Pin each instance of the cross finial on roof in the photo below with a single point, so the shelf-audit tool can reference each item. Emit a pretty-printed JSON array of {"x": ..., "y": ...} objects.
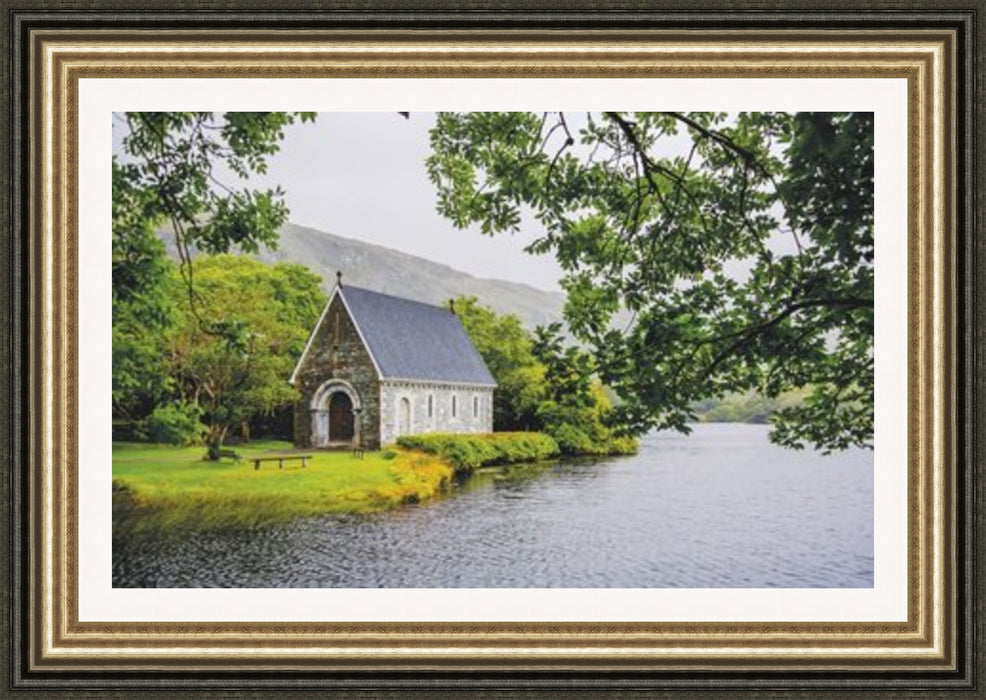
[{"x": 339, "y": 278}]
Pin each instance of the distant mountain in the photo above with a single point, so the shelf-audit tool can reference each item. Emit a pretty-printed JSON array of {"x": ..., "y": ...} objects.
[{"x": 392, "y": 272}]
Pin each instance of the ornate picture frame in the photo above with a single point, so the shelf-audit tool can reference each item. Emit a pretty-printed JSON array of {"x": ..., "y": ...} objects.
[{"x": 937, "y": 53}]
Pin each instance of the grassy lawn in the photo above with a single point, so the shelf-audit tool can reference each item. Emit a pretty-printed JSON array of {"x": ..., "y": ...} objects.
[{"x": 158, "y": 486}]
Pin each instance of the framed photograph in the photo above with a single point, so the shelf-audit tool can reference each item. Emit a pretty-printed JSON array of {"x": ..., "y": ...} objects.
[{"x": 584, "y": 349}]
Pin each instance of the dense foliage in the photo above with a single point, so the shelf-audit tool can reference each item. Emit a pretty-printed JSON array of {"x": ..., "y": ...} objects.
[
  {"x": 748, "y": 407},
  {"x": 187, "y": 174},
  {"x": 206, "y": 383},
  {"x": 576, "y": 409},
  {"x": 175, "y": 423},
  {"x": 703, "y": 253},
  {"x": 543, "y": 384},
  {"x": 508, "y": 351},
  {"x": 172, "y": 174},
  {"x": 267, "y": 313},
  {"x": 470, "y": 451}
]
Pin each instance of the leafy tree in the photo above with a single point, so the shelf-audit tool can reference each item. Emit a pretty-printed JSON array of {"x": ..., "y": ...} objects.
[
  {"x": 172, "y": 175},
  {"x": 140, "y": 378},
  {"x": 175, "y": 423},
  {"x": 749, "y": 407},
  {"x": 542, "y": 385},
  {"x": 507, "y": 350},
  {"x": 267, "y": 313},
  {"x": 569, "y": 371},
  {"x": 743, "y": 260},
  {"x": 576, "y": 410},
  {"x": 142, "y": 305}
]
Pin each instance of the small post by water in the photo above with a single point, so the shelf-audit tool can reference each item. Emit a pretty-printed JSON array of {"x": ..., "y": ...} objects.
[{"x": 451, "y": 306}]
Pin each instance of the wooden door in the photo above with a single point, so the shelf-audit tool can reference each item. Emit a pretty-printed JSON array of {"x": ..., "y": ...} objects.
[{"x": 340, "y": 418}]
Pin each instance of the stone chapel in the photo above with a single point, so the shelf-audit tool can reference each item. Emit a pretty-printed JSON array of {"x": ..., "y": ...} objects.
[{"x": 378, "y": 366}]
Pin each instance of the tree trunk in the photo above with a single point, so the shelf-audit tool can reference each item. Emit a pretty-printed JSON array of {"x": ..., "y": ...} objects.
[{"x": 214, "y": 441}]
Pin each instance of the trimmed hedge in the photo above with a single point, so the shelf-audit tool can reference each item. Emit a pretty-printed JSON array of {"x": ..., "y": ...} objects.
[{"x": 470, "y": 451}]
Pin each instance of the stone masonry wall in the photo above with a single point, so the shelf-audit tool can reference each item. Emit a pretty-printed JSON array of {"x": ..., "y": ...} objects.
[
  {"x": 337, "y": 352},
  {"x": 441, "y": 419}
]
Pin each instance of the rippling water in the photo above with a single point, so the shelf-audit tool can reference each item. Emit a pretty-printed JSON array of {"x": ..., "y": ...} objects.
[{"x": 719, "y": 508}]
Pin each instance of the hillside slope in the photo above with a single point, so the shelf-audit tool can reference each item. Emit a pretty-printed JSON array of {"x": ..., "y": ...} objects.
[{"x": 392, "y": 272}]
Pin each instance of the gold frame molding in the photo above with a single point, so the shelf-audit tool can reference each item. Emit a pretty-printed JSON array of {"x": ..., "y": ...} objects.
[{"x": 926, "y": 642}]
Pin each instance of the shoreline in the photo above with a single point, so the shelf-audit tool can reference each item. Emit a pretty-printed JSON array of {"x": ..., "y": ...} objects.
[
  {"x": 165, "y": 488},
  {"x": 212, "y": 495}
]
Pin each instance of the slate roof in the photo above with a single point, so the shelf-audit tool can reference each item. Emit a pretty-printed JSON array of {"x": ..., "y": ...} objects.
[{"x": 411, "y": 340}]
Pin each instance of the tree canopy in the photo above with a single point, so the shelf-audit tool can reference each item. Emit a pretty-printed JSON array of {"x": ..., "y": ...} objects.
[
  {"x": 186, "y": 350},
  {"x": 236, "y": 376},
  {"x": 542, "y": 384},
  {"x": 189, "y": 171},
  {"x": 507, "y": 350},
  {"x": 703, "y": 253}
]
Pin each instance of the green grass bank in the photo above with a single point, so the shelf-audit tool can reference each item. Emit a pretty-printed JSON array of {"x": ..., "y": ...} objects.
[{"x": 161, "y": 487}]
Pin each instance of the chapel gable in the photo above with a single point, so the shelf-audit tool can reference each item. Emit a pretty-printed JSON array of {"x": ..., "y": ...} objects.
[{"x": 379, "y": 366}]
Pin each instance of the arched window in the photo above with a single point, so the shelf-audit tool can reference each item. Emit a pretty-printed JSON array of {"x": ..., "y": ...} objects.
[
  {"x": 475, "y": 406},
  {"x": 453, "y": 406},
  {"x": 431, "y": 406},
  {"x": 404, "y": 416}
]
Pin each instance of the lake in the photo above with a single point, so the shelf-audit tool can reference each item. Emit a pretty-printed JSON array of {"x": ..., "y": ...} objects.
[{"x": 719, "y": 508}]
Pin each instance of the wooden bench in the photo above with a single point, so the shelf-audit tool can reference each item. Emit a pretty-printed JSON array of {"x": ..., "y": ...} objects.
[{"x": 281, "y": 459}]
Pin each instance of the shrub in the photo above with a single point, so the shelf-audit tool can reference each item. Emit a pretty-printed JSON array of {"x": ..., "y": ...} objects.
[
  {"x": 467, "y": 452},
  {"x": 624, "y": 445},
  {"x": 585, "y": 429},
  {"x": 175, "y": 424},
  {"x": 590, "y": 438},
  {"x": 573, "y": 441}
]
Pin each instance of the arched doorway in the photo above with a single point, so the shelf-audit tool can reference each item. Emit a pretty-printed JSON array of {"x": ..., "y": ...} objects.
[
  {"x": 335, "y": 410},
  {"x": 404, "y": 416},
  {"x": 341, "y": 423}
]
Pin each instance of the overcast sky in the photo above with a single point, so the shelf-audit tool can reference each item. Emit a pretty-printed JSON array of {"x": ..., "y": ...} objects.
[{"x": 362, "y": 176}]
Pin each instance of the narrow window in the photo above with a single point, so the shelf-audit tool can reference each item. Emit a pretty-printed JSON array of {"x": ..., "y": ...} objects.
[
  {"x": 475, "y": 407},
  {"x": 431, "y": 406},
  {"x": 404, "y": 416},
  {"x": 453, "y": 405}
]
